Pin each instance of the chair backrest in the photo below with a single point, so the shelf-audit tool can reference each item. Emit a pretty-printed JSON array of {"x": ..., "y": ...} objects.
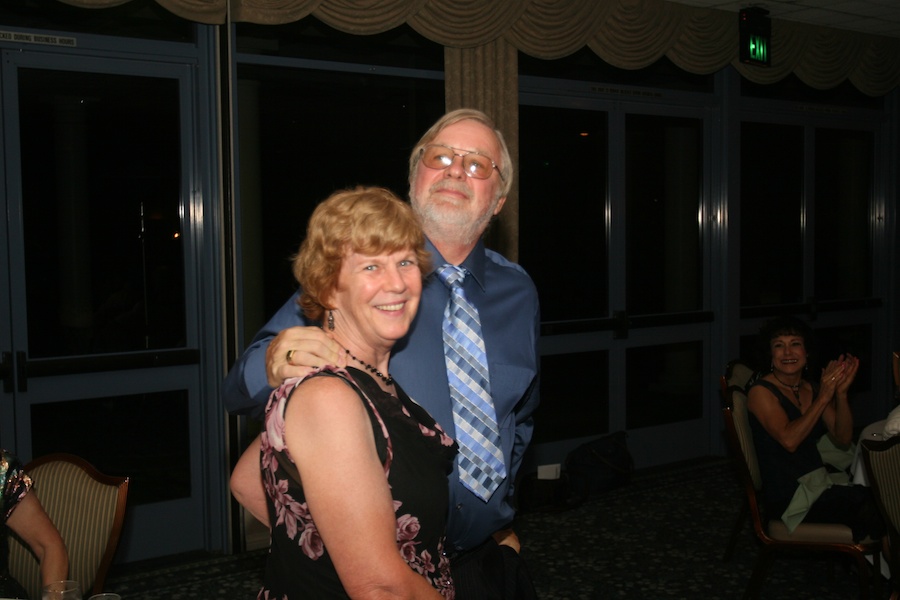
[
  {"x": 739, "y": 373},
  {"x": 882, "y": 460},
  {"x": 736, "y": 405},
  {"x": 88, "y": 509},
  {"x": 895, "y": 369},
  {"x": 740, "y": 442}
]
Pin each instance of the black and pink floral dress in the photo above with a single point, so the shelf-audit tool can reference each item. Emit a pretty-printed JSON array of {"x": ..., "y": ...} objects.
[
  {"x": 14, "y": 484},
  {"x": 416, "y": 455}
]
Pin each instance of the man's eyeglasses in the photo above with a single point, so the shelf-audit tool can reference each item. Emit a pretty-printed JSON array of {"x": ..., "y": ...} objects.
[{"x": 475, "y": 164}]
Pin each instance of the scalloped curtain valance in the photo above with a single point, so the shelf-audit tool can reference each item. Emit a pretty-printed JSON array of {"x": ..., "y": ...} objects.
[{"x": 628, "y": 34}]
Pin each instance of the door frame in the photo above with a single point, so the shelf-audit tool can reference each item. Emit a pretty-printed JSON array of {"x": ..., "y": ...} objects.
[{"x": 198, "y": 368}]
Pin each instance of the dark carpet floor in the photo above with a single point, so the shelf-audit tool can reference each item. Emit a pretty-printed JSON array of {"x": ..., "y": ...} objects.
[{"x": 661, "y": 536}]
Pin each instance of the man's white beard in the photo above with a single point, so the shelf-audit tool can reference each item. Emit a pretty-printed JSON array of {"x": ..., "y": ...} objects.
[{"x": 451, "y": 225}]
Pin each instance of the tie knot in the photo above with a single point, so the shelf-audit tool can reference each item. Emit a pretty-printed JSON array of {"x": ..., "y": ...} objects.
[{"x": 451, "y": 275}]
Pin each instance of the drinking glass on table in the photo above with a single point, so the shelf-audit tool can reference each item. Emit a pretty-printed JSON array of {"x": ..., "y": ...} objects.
[
  {"x": 105, "y": 596},
  {"x": 62, "y": 590}
]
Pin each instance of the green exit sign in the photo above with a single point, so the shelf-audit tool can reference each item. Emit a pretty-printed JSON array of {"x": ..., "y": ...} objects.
[
  {"x": 755, "y": 36},
  {"x": 757, "y": 49}
]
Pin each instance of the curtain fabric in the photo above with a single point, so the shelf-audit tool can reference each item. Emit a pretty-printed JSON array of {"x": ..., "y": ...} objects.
[
  {"x": 629, "y": 34},
  {"x": 482, "y": 42},
  {"x": 485, "y": 77}
]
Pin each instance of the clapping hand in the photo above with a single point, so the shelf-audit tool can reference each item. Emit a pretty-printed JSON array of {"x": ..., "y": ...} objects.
[
  {"x": 851, "y": 368},
  {"x": 839, "y": 374}
]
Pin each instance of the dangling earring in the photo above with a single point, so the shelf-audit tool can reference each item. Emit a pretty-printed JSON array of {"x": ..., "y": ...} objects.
[{"x": 331, "y": 320}]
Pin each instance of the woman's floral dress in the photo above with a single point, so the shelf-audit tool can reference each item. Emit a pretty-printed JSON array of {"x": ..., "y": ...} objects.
[
  {"x": 416, "y": 455},
  {"x": 14, "y": 484}
]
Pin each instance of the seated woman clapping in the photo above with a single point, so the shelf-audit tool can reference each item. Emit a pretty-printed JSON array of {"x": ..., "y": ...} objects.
[{"x": 795, "y": 423}]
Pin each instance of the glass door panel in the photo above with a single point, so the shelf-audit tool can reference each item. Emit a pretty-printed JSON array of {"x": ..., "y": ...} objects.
[
  {"x": 663, "y": 183},
  {"x": 100, "y": 180},
  {"x": 665, "y": 384},
  {"x": 610, "y": 232},
  {"x": 104, "y": 361},
  {"x": 771, "y": 214},
  {"x": 563, "y": 182},
  {"x": 844, "y": 174}
]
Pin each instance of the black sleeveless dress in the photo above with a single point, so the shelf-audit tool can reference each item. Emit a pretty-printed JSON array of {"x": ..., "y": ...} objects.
[
  {"x": 14, "y": 484},
  {"x": 851, "y": 505},
  {"x": 416, "y": 455}
]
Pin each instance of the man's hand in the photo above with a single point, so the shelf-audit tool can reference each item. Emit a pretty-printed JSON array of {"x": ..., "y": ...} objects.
[
  {"x": 295, "y": 351},
  {"x": 507, "y": 537}
]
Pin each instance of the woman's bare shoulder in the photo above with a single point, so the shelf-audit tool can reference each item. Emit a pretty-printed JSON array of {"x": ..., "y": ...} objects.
[{"x": 324, "y": 398}]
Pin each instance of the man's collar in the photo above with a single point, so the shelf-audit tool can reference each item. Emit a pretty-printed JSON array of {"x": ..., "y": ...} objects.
[{"x": 474, "y": 262}]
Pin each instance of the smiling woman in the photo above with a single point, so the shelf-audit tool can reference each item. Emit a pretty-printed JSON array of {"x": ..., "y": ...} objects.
[
  {"x": 362, "y": 263},
  {"x": 361, "y": 226},
  {"x": 803, "y": 430},
  {"x": 353, "y": 468}
]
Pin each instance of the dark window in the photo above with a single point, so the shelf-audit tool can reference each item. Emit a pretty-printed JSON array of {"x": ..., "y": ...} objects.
[
  {"x": 572, "y": 407},
  {"x": 318, "y": 132},
  {"x": 843, "y": 190},
  {"x": 663, "y": 264},
  {"x": 664, "y": 384},
  {"x": 143, "y": 436},
  {"x": 562, "y": 224},
  {"x": 102, "y": 213},
  {"x": 771, "y": 214},
  {"x": 831, "y": 342}
]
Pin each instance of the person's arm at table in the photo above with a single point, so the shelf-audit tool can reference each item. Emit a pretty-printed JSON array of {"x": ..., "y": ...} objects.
[{"x": 30, "y": 522}]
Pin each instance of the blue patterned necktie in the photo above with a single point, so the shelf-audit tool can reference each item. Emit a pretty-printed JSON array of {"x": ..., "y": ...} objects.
[{"x": 481, "y": 467}]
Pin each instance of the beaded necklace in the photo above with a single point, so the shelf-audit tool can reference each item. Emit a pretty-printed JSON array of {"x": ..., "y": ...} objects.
[{"x": 388, "y": 380}]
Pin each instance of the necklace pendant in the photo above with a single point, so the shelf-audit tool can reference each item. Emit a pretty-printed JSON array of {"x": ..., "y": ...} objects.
[{"x": 794, "y": 388}]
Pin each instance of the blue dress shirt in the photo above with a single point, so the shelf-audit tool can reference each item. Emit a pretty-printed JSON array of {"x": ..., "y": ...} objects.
[{"x": 507, "y": 303}]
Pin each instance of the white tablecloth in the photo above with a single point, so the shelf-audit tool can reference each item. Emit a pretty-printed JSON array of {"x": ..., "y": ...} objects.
[{"x": 871, "y": 432}]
